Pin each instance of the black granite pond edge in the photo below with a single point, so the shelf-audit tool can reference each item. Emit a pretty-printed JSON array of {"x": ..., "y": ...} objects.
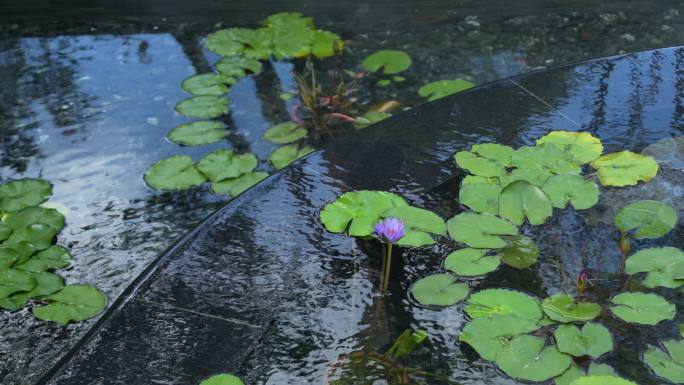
[{"x": 513, "y": 110}]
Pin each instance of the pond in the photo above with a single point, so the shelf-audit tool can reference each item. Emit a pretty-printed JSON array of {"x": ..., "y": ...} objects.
[{"x": 88, "y": 98}]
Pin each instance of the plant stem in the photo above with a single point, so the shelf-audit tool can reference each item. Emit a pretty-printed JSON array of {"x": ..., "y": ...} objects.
[
  {"x": 388, "y": 268},
  {"x": 384, "y": 266},
  {"x": 625, "y": 247}
]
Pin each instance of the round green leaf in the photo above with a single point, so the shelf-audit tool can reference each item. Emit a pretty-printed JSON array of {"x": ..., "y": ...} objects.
[
  {"x": 546, "y": 156},
  {"x": 601, "y": 380},
  {"x": 15, "y": 254},
  {"x": 15, "y": 281},
  {"x": 596, "y": 369},
  {"x": 36, "y": 214},
  {"x": 471, "y": 262},
  {"x": 521, "y": 252},
  {"x": 198, "y": 133},
  {"x": 489, "y": 335},
  {"x": 72, "y": 303},
  {"x": 325, "y": 44},
  {"x": 520, "y": 200},
  {"x": 18, "y": 194},
  {"x": 5, "y": 231},
  {"x": 497, "y": 302},
  {"x": 283, "y": 133},
  {"x": 237, "y": 66},
  {"x": 480, "y": 197},
  {"x": 46, "y": 284},
  {"x": 439, "y": 289},
  {"x": 369, "y": 118},
  {"x": 174, "y": 173},
  {"x": 641, "y": 308},
  {"x": 390, "y": 61},
  {"x": 37, "y": 234},
  {"x": 207, "y": 84},
  {"x": 8, "y": 257},
  {"x": 625, "y": 168},
  {"x": 480, "y": 231},
  {"x": 222, "y": 379},
  {"x": 667, "y": 363},
  {"x": 287, "y": 154},
  {"x": 476, "y": 179},
  {"x": 226, "y": 42},
  {"x": 527, "y": 358},
  {"x": 583, "y": 146},
  {"x": 53, "y": 258},
  {"x": 572, "y": 188},
  {"x": 650, "y": 219},
  {"x": 417, "y": 223},
  {"x": 571, "y": 374},
  {"x": 442, "y": 88},
  {"x": 661, "y": 264},
  {"x": 237, "y": 186},
  {"x": 535, "y": 175},
  {"x": 487, "y": 159},
  {"x": 225, "y": 164},
  {"x": 562, "y": 307},
  {"x": 594, "y": 340},
  {"x": 203, "y": 107},
  {"x": 358, "y": 211}
]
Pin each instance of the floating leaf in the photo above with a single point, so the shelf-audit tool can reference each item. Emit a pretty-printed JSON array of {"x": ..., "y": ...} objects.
[
  {"x": 480, "y": 197},
  {"x": 18, "y": 194},
  {"x": 203, "y": 107},
  {"x": 471, "y": 262},
  {"x": 237, "y": 186},
  {"x": 535, "y": 175},
  {"x": 369, "y": 118},
  {"x": 546, "y": 156},
  {"x": 562, "y": 307},
  {"x": 418, "y": 223},
  {"x": 489, "y": 335},
  {"x": 476, "y": 179},
  {"x": 596, "y": 369},
  {"x": 36, "y": 214},
  {"x": 641, "y": 308},
  {"x": 571, "y": 374},
  {"x": 488, "y": 159},
  {"x": 198, "y": 133},
  {"x": 594, "y": 340},
  {"x": 520, "y": 200},
  {"x": 226, "y": 42},
  {"x": 283, "y": 133},
  {"x": 625, "y": 168},
  {"x": 390, "y": 61},
  {"x": 15, "y": 281},
  {"x": 174, "y": 173},
  {"x": 15, "y": 254},
  {"x": 650, "y": 219},
  {"x": 581, "y": 193},
  {"x": 223, "y": 379},
  {"x": 521, "y": 252},
  {"x": 660, "y": 263},
  {"x": 325, "y": 44},
  {"x": 237, "y": 66},
  {"x": 46, "y": 284},
  {"x": 37, "y": 234},
  {"x": 207, "y": 84},
  {"x": 527, "y": 358},
  {"x": 601, "y": 380},
  {"x": 667, "y": 363},
  {"x": 358, "y": 211},
  {"x": 440, "y": 290},
  {"x": 287, "y": 154},
  {"x": 53, "y": 258},
  {"x": 5, "y": 231},
  {"x": 442, "y": 88},
  {"x": 583, "y": 146},
  {"x": 72, "y": 303},
  {"x": 498, "y": 302},
  {"x": 225, "y": 164},
  {"x": 480, "y": 230}
]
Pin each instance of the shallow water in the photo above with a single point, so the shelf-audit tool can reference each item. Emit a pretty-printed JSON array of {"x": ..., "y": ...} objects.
[{"x": 87, "y": 105}]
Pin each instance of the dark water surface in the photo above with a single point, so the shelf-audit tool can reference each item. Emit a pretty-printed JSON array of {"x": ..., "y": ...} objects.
[{"x": 87, "y": 94}]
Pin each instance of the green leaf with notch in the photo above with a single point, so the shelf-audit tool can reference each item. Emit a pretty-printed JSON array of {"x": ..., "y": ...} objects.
[
  {"x": 357, "y": 212},
  {"x": 520, "y": 200},
  {"x": 625, "y": 168},
  {"x": 562, "y": 307},
  {"x": 583, "y": 146},
  {"x": 482, "y": 231},
  {"x": 198, "y": 133},
  {"x": 650, "y": 219},
  {"x": 593, "y": 340},
  {"x": 21, "y": 193},
  {"x": 390, "y": 61},
  {"x": 642, "y": 308},
  {"x": 284, "y": 133},
  {"x": 471, "y": 262},
  {"x": 439, "y": 290},
  {"x": 173, "y": 174},
  {"x": 571, "y": 188},
  {"x": 203, "y": 107}
]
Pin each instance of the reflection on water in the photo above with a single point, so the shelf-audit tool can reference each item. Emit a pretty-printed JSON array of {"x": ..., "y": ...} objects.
[{"x": 88, "y": 109}]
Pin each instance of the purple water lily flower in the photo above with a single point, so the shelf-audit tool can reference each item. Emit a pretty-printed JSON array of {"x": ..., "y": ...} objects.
[{"x": 390, "y": 230}]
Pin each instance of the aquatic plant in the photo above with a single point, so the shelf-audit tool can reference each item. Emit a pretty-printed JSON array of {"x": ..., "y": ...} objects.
[
  {"x": 441, "y": 88},
  {"x": 387, "y": 62},
  {"x": 223, "y": 379},
  {"x": 389, "y": 231}
]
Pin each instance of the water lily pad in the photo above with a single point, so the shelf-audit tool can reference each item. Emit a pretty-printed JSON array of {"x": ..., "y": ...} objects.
[
  {"x": 53, "y": 258},
  {"x": 562, "y": 307},
  {"x": 602, "y": 380},
  {"x": 325, "y": 44},
  {"x": 546, "y": 156},
  {"x": 527, "y": 358},
  {"x": 15, "y": 254},
  {"x": 225, "y": 164},
  {"x": 535, "y": 175},
  {"x": 419, "y": 223},
  {"x": 237, "y": 186},
  {"x": 284, "y": 133},
  {"x": 18, "y": 194},
  {"x": 38, "y": 234},
  {"x": 520, "y": 200},
  {"x": 440, "y": 290},
  {"x": 471, "y": 262},
  {"x": 581, "y": 193},
  {"x": 222, "y": 379},
  {"x": 489, "y": 335},
  {"x": 198, "y": 133},
  {"x": 583, "y": 146},
  {"x": 574, "y": 372},
  {"x": 226, "y": 42},
  {"x": 660, "y": 263},
  {"x": 625, "y": 168},
  {"x": 287, "y": 154},
  {"x": 649, "y": 219},
  {"x": 480, "y": 197},
  {"x": 203, "y": 107},
  {"x": 498, "y": 302},
  {"x": 390, "y": 61},
  {"x": 487, "y": 159},
  {"x": 36, "y": 214},
  {"x": 207, "y": 84},
  {"x": 46, "y": 284},
  {"x": 667, "y": 363},
  {"x": 642, "y": 308},
  {"x": 15, "y": 281},
  {"x": 476, "y": 179},
  {"x": 369, "y": 118},
  {"x": 442, "y": 88},
  {"x": 174, "y": 173},
  {"x": 237, "y": 67},
  {"x": 593, "y": 340},
  {"x": 358, "y": 211},
  {"x": 521, "y": 252},
  {"x": 482, "y": 231},
  {"x": 5, "y": 231},
  {"x": 72, "y": 303}
]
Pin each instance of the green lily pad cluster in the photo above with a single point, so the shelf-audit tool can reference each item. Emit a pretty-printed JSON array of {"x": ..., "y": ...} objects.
[
  {"x": 29, "y": 258},
  {"x": 229, "y": 173},
  {"x": 387, "y": 62}
]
